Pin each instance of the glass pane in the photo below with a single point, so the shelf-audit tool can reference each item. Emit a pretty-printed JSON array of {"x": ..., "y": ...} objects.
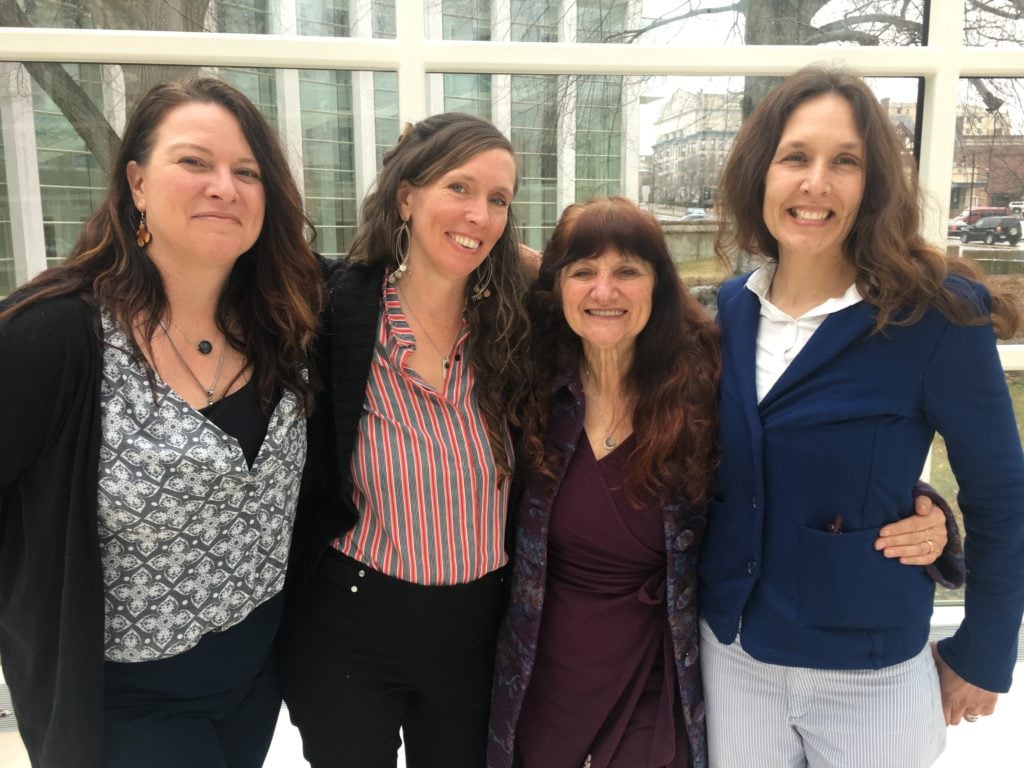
[
  {"x": 599, "y": 136},
  {"x": 994, "y": 24},
  {"x": 6, "y": 247},
  {"x": 66, "y": 150},
  {"x": 534, "y": 136},
  {"x": 833, "y": 23},
  {"x": 331, "y": 18},
  {"x": 534, "y": 21},
  {"x": 464, "y": 19},
  {"x": 385, "y": 89},
  {"x": 688, "y": 124},
  {"x": 987, "y": 194},
  {"x": 468, "y": 93},
  {"x": 696, "y": 23}
]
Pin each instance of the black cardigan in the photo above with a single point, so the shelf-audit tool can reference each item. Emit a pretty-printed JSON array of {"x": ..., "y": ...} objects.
[
  {"x": 343, "y": 355},
  {"x": 51, "y": 590}
]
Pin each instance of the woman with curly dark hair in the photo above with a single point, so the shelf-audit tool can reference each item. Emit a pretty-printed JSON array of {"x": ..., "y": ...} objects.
[
  {"x": 598, "y": 658},
  {"x": 844, "y": 354},
  {"x": 153, "y": 393},
  {"x": 621, "y": 451},
  {"x": 399, "y": 565}
]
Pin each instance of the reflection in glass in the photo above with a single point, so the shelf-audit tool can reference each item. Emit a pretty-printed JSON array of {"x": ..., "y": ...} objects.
[
  {"x": 64, "y": 128},
  {"x": 994, "y": 24},
  {"x": 988, "y": 158},
  {"x": 330, "y": 18},
  {"x": 694, "y": 23}
]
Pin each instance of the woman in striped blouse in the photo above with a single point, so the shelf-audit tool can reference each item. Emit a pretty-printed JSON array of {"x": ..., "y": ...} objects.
[{"x": 399, "y": 560}]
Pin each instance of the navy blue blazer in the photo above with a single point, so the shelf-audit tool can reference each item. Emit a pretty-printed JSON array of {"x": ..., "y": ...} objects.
[{"x": 846, "y": 430}]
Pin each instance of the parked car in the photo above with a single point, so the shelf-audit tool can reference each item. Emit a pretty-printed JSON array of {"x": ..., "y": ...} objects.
[
  {"x": 696, "y": 217},
  {"x": 978, "y": 212},
  {"x": 955, "y": 225},
  {"x": 1016, "y": 207},
  {"x": 993, "y": 229}
]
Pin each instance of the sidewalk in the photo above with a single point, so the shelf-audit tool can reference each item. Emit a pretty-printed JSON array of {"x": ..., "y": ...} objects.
[{"x": 992, "y": 742}]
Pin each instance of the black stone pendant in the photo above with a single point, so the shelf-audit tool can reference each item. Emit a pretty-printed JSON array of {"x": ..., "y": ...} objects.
[{"x": 204, "y": 347}]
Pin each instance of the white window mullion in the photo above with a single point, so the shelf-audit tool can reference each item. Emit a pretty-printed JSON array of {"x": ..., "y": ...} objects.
[{"x": 938, "y": 122}]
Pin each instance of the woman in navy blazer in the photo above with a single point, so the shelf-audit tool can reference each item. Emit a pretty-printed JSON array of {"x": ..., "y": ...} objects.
[{"x": 842, "y": 357}]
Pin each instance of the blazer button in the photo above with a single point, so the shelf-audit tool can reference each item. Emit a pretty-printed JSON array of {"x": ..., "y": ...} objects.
[
  {"x": 753, "y": 501},
  {"x": 751, "y": 567}
]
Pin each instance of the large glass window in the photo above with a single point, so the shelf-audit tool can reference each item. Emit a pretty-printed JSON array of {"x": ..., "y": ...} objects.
[{"x": 72, "y": 116}]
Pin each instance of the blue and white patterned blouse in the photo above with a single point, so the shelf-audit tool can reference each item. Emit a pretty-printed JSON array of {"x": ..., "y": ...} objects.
[{"x": 192, "y": 540}]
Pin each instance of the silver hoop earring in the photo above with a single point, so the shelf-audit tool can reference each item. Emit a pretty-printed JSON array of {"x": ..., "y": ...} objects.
[
  {"x": 402, "y": 237},
  {"x": 485, "y": 273}
]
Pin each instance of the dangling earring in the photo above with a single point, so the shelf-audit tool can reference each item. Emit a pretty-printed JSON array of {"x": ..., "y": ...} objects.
[
  {"x": 142, "y": 233},
  {"x": 401, "y": 254},
  {"x": 485, "y": 273}
]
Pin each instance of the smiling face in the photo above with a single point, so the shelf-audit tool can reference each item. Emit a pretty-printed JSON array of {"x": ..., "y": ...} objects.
[
  {"x": 200, "y": 189},
  {"x": 815, "y": 182},
  {"x": 606, "y": 299},
  {"x": 455, "y": 220}
]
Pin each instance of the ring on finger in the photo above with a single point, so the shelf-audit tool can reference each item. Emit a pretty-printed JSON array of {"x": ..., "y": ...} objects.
[
  {"x": 931, "y": 548},
  {"x": 971, "y": 718}
]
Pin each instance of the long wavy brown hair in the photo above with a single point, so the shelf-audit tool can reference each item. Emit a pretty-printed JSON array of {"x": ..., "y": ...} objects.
[
  {"x": 499, "y": 326},
  {"x": 269, "y": 306},
  {"x": 676, "y": 365},
  {"x": 898, "y": 271}
]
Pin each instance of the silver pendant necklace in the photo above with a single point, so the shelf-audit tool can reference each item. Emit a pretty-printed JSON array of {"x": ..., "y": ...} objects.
[
  {"x": 445, "y": 356},
  {"x": 209, "y": 392}
]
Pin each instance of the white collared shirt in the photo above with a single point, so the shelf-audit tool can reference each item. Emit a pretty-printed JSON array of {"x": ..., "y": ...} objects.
[{"x": 781, "y": 337}]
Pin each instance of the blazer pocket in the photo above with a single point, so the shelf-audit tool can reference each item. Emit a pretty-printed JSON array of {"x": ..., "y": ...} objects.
[{"x": 846, "y": 584}]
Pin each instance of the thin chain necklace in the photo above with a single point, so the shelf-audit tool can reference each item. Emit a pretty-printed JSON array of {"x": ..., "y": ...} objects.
[
  {"x": 445, "y": 364},
  {"x": 609, "y": 442},
  {"x": 216, "y": 376}
]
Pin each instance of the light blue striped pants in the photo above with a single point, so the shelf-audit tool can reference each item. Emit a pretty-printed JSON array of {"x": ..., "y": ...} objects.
[{"x": 769, "y": 716}]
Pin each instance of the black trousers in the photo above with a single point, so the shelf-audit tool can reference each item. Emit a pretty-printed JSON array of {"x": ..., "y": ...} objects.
[
  {"x": 363, "y": 654},
  {"x": 214, "y": 706}
]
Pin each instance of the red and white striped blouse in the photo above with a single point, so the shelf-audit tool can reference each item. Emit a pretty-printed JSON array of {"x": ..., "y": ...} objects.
[{"x": 426, "y": 485}]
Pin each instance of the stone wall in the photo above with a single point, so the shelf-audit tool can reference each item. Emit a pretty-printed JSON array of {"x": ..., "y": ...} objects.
[{"x": 690, "y": 240}]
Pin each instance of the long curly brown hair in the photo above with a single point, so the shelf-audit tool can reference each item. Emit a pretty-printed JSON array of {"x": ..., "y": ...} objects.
[
  {"x": 676, "y": 365},
  {"x": 269, "y": 306},
  {"x": 898, "y": 271},
  {"x": 499, "y": 326}
]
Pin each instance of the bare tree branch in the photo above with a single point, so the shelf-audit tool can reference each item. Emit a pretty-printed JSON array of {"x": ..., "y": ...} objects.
[
  {"x": 84, "y": 116},
  {"x": 1014, "y": 12},
  {"x": 631, "y": 35}
]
